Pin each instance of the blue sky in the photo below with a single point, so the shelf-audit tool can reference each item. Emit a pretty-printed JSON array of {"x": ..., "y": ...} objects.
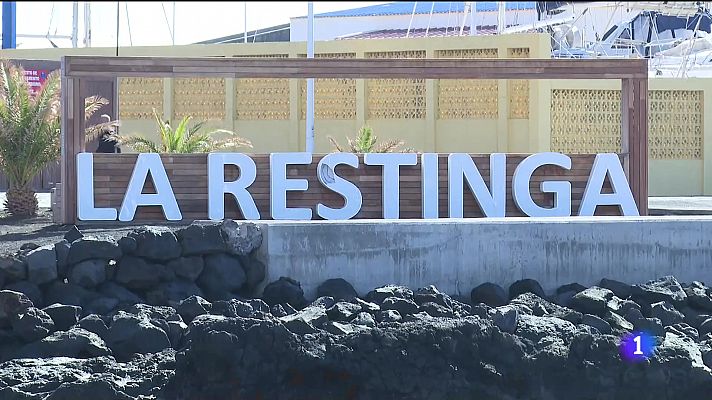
[{"x": 195, "y": 21}]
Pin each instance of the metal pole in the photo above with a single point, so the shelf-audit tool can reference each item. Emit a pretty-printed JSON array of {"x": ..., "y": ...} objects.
[
  {"x": 501, "y": 12},
  {"x": 244, "y": 38},
  {"x": 9, "y": 25},
  {"x": 87, "y": 24},
  {"x": 310, "y": 82},
  {"x": 118, "y": 20},
  {"x": 174, "y": 24},
  {"x": 128, "y": 22},
  {"x": 473, "y": 11},
  {"x": 75, "y": 24}
]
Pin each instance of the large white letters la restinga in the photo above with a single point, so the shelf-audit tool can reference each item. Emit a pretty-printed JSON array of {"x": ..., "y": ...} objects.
[{"x": 461, "y": 169}]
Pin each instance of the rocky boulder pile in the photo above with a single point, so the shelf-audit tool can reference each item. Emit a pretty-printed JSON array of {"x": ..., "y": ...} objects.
[
  {"x": 395, "y": 342},
  {"x": 392, "y": 342},
  {"x": 149, "y": 265}
]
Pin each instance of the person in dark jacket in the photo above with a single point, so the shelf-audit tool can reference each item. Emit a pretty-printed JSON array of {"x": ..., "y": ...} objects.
[{"x": 108, "y": 143}]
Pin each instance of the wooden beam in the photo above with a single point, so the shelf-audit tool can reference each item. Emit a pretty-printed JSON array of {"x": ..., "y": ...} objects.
[{"x": 85, "y": 66}]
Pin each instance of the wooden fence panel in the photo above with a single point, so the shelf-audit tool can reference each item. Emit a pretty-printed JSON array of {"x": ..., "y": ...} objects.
[{"x": 43, "y": 182}]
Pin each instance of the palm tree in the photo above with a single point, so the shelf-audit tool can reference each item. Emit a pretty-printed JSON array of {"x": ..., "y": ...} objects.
[
  {"x": 365, "y": 142},
  {"x": 30, "y": 132},
  {"x": 184, "y": 139}
]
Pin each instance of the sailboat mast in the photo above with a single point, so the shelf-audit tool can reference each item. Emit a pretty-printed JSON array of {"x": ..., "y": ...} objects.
[
  {"x": 173, "y": 38},
  {"x": 87, "y": 24},
  {"x": 473, "y": 11},
  {"x": 501, "y": 23},
  {"x": 75, "y": 24}
]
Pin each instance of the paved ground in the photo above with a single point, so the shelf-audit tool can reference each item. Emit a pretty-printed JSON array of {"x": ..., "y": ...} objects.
[
  {"x": 41, "y": 230},
  {"x": 14, "y": 232}
]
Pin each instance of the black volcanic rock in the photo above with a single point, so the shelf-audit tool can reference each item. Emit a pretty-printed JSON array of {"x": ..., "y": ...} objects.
[
  {"x": 337, "y": 288},
  {"x": 64, "y": 316},
  {"x": 592, "y": 300},
  {"x": 73, "y": 234},
  {"x": 87, "y": 248},
  {"x": 489, "y": 293},
  {"x": 664, "y": 289},
  {"x": 526, "y": 286},
  {"x": 222, "y": 275},
  {"x": 284, "y": 290},
  {"x": 153, "y": 243}
]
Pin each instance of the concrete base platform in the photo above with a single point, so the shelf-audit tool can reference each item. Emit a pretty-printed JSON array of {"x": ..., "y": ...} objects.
[{"x": 458, "y": 254}]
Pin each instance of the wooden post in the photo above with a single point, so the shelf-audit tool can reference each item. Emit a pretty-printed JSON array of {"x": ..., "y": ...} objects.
[
  {"x": 641, "y": 108},
  {"x": 72, "y": 139},
  {"x": 634, "y": 139},
  {"x": 626, "y": 116}
]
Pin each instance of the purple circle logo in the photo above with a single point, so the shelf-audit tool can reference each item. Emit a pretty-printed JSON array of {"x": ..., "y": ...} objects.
[{"x": 637, "y": 346}]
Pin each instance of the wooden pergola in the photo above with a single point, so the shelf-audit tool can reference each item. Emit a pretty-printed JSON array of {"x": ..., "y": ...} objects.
[{"x": 79, "y": 71}]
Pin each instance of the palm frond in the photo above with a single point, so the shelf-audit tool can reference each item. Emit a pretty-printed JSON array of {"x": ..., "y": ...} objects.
[
  {"x": 389, "y": 146},
  {"x": 230, "y": 141},
  {"x": 180, "y": 136},
  {"x": 138, "y": 143},
  {"x": 335, "y": 144},
  {"x": 366, "y": 142},
  {"x": 94, "y": 131},
  {"x": 354, "y": 145},
  {"x": 93, "y": 104},
  {"x": 185, "y": 138}
]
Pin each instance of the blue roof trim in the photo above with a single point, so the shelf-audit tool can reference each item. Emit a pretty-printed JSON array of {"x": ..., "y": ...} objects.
[{"x": 423, "y": 7}]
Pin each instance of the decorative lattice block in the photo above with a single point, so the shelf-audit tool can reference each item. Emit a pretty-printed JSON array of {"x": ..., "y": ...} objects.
[
  {"x": 262, "y": 98},
  {"x": 675, "y": 124},
  {"x": 396, "y": 98},
  {"x": 589, "y": 121},
  {"x": 518, "y": 89},
  {"x": 333, "y": 98},
  {"x": 467, "y": 98},
  {"x": 585, "y": 121},
  {"x": 139, "y": 96},
  {"x": 200, "y": 98}
]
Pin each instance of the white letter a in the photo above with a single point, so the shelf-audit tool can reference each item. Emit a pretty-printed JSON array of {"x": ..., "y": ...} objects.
[{"x": 164, "y": 197}]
